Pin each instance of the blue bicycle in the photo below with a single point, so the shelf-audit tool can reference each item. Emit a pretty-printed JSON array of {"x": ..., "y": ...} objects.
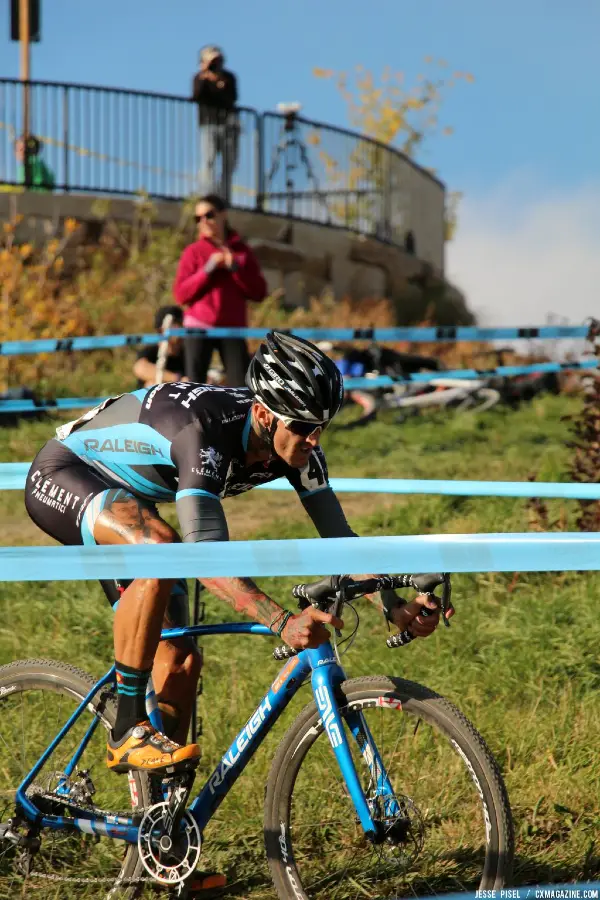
[{"x": 351, "y": 809}]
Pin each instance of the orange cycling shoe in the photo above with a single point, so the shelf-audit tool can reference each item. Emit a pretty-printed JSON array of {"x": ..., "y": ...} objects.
[{"x": 146, "y": 749}]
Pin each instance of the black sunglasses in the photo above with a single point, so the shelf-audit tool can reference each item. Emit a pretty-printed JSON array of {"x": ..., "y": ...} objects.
[
  {"x": 211, "y": 214},
  {"x": 305, "y": 429}
]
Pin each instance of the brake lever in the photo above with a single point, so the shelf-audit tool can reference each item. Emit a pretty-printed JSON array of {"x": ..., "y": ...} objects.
[
  {"x": 335, "y": 607},
  {"x": 402, "y": 638},
  {"x": 445, "y": 602},
  {"x": 443, "y": 605},
  {"x": 338, "y": 604}
]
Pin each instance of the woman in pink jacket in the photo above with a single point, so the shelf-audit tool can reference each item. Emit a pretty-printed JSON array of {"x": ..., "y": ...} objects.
[{"x": 216, "y": 276}]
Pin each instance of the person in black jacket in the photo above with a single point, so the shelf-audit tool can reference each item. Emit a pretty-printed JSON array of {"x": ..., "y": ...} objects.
[
  {"x": 146, "y": 368},
  {"x": 215, "y": 92}
]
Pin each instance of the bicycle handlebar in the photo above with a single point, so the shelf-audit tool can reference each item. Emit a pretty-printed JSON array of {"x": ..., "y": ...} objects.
[{"x": 332, "y": 592}]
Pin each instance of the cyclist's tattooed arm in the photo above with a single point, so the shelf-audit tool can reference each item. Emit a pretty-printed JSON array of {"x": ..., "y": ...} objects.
[{"x": 245, "y": 597}]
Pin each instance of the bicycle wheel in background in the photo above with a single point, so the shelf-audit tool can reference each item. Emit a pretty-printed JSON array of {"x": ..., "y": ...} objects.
[
  {"x": 454, "y": 829},
  {"x": 37, "y": 696},
  {"x": 478, "y": 401},
  {"x": 362, "y": 403}
]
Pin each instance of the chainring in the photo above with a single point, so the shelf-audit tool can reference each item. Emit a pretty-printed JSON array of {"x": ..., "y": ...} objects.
[{"x": 168, "y": 860}]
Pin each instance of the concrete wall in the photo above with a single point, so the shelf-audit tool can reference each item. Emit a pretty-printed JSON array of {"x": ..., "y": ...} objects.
[{"x": 301, "y": 258}]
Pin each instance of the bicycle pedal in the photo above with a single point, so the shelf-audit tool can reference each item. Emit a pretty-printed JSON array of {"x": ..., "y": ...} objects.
[
  {"x": 184, "y": 768},
  {"x": 186, "y": 777}
]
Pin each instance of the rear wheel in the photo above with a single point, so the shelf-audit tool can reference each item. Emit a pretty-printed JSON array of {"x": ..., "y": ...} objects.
[
  {"x": 37, "y": 697},
  {"x": 451, "y": 827}
]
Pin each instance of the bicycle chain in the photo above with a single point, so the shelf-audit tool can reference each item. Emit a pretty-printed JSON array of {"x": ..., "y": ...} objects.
[
  {"x": 64, "y": 801},
  {"x": 72, "y": 879}
]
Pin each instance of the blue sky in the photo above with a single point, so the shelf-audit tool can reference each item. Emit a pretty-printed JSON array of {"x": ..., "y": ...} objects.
[
  {"x": 526, "y": 132},
  {"x": 536, "y": 65}
]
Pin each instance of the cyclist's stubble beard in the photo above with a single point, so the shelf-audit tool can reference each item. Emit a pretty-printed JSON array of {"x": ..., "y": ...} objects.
[
  {"x": 282, "y": 443},
  {"x": 292, "y": 448}
]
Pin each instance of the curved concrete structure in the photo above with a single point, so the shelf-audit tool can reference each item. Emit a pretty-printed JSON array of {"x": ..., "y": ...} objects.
[{"x": 301, "y": 259}]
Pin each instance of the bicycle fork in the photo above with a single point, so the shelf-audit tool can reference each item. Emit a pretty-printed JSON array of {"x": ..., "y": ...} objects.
[{"x": 327, "y": 675}]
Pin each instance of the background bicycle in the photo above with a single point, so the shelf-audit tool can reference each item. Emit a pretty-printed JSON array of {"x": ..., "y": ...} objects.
[{"x": 408, "y": 397}]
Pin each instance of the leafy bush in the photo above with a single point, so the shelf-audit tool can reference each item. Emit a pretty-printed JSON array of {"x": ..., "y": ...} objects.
[{"x": 111, "y": 280}]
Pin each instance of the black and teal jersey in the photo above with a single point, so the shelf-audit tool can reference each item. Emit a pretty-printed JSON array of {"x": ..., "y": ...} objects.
[{"x": 178, "y": 441}]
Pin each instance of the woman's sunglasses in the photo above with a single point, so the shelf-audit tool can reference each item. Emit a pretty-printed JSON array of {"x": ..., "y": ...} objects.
[
  {"x": 304, "y": 429},
  {"x": 209, "y": 216}
]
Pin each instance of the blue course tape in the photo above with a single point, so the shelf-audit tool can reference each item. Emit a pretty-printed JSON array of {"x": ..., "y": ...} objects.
[
  {"x": 443, "y": 334},
  {"x": 13, "y": 475},
  {"x": 51, "y": 345},
  {"x": 448, "y": 488},
  {"x": 12, "y": 478},
  {"x": 555, "y": 552},
  {"x": 18, "y": 406},
  {"x": 498, "y": 372}
]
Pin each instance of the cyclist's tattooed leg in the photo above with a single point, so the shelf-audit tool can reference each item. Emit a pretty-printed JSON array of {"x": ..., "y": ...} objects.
[
  {"x": 175, "y": 675},
  {"x": 245, "y": 597},
  {"x": 128, "y": 517},
  {"x": 141, "y": 609}
]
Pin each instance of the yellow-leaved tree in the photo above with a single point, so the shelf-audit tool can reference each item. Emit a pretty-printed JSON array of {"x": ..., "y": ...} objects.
[{"x": 393, "y": 114}]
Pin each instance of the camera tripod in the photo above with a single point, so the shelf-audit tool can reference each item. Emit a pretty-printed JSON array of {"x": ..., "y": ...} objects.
[{"x": 294, "y": 153}]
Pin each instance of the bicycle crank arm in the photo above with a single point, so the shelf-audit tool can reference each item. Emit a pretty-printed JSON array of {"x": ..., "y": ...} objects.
[{"x": 179, "y": 787}]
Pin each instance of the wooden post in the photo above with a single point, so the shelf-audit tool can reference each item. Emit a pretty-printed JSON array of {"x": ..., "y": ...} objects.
[{"x": 24, "y": 39}]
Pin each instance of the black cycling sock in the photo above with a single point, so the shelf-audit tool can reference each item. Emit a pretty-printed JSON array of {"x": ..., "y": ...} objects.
[{"x": 131, "y": 695}]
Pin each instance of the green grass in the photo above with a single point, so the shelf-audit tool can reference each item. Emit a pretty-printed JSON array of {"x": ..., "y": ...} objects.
[{"x": 521, "y": 658}]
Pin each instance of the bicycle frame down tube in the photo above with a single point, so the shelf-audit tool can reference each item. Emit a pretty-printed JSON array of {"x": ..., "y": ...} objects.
[
  {"x": 326, "y": 676},
  {"x": 236, "y": 758}
]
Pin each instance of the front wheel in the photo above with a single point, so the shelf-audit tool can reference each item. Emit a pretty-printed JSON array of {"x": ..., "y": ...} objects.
[{"x": 452, "y": 830}]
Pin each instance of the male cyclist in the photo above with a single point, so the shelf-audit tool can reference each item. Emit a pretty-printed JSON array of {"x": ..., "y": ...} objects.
[{"x": 98, "y": 481}]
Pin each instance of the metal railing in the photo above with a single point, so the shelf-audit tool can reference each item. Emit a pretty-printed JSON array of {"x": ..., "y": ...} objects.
[{"x": 119, "y": 142}]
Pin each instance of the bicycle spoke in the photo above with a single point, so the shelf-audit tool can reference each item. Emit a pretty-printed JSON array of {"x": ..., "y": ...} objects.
[
  {"x": 431, "y": 838},
  {"x": 23, "y": 757},
  {"x": 39, "y": 714}
]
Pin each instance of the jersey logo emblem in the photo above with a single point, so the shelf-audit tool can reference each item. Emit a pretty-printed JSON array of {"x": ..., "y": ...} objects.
[{"x": 211, "y": 457}]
